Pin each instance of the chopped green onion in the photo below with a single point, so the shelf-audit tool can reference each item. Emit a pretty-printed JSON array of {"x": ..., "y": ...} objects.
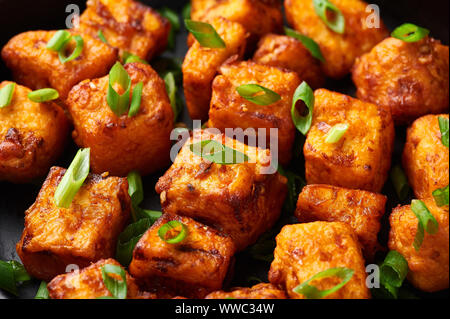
[
  {"x": 76, "y": 52},
  {"x": 426, "y": 222},
  {"x": 186, "y": 12},
  {"x": 128, "y": 57},
  {"x": 6, "y": 94},
  {"x": 171, "y": 88},
  {"x": 101, "y": 36},
  {"x": 394, "y": 269},
  {"x": 117, "y": 288},
  {"x": 73, "y": 179},
  {"x": 303, "y": 93},
  {"x": 43, "y": 95},
  {"x": 170, "y": 227},
  {"x": 205, "y": 34},
  {"x": 129, "y": 238},
  {"x": 252, "y": 93},
  {"x": 136, "y": 99},
  {"x": 441, "y": 196},
  {"x": 118, "y": 103},
  {"x": 322, "y": 7},
  {"x": 175, "y": 25},
  {"x": 312, "y": 292},
  {"x": 336, "y": 133},
  {"x": 444, "y": 128},
  {"x": 11, "y": 274},
  {"x": 42, "y": 292},
  {"x": 309, "y": 43},
  {"x": 218, "y": 153},
  {"x": 153, "y": 215},
  {"x": 295, "y": 185},
  {"x": 409, "y": 32},
  {"x": 135, "y": 188},
  {"x": 400, "y": 182},
  {"x": 59, "y": 40}
]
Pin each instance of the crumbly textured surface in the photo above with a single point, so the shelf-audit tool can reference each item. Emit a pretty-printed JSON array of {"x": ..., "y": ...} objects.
[
  {"x": 36, "y": 67},
  {"x": 339, "y": 50},
  {"x": 409, "y": 78},
  {"x": 428, "y": 267},
  {"x": 425, "y": 158},
  {"x": 127, "y": 25},
  {"x": 362, "y": 157},
  {"x": 362, "y": 210},
  {"x": 304, "y": 250},
  {"x": 122, "y": 144},
  {"x": 198, "y": 7},
  {"x": 201, "y": 64},
  {"x": 259, "y": 291},
  {"x": 230, "y": 110},
  {"x": 85, "y": 232},
  {"x": 241, "y": 200},
  {"x": 32, "y": 136}
]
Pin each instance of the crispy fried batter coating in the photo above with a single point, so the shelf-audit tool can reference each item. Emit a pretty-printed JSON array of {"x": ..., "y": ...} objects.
[
  {"x": 362, "y": 157},
  {"x": 304, "y": 250},
  {"x": 259, "y": 291},
  {"x": 32, "y": 136},
  {"x": 122, "y": 144},
  {"x": 199, "y": 7},
  {"x": 85, "y": 232},
  {"x": 410, "y": 78},
  {"x": 428, "y": 267}
]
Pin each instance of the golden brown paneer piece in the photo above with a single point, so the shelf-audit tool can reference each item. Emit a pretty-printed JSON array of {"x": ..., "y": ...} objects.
[
  {"x": 259, "y": 291},
  {"x": 230, "y": 110},
  {"x": 127, "y": 25},
  {"x": 85, "y": 232},
  {"x": 428, "y": 267},
  {"x": 192, "y": 267},
  {"x": 362, "y": 157},
  {"x": 304, "y": 250},
  {"x": 88, "y": 283},
  {"x": 286, "y": 52},
  {"x": 411, "y": 78},
  {"x": 425, "y": 158},
  {"x": 32, "y": 136},
  {"x": 37, "y": 67},
  {"x": 122, "y": 144},
  {"x": 339, "y": 50},
  {"x": 201, "y": 64},
  {"x": 199, "y": 7},
  {"x": 242, "y": 200},
  {"x": 362, "y": 210}
]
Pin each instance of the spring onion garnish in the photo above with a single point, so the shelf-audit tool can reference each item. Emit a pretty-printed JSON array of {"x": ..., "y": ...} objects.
[
  {"x": 175, "y": 25},
  {"x": 129, "y": 238},
  {"x": 43, "y": 95},
  {"x": 312, "y": 292},
  {"x": 336, "y": 133},
  {"x": 409, "y": 32},
  {"x": 295, "y": 185},
  {"x": 136, "y": 99},
  {"x": 309, "y": 43},
  {"x": 444, "y": 128},
  {"x": 101, "y": 36},
  {"x": 118, "y": 103},
  {"x": 303, "y": 93},
  {"x": 6, "y": 94},
  {"x": 186, "y": 12},
  {"x": 258, "y": 94},
  {"x": 426, "y": 222},
  {"x": 76, "y": 52},
  {"x": 323, "y": 9},
  {"x": 171, "y": 88},
  {"x": 135, "y": 188},
  {"x": 128, "y": 57},
  {"x": 117, "y": 287},
  {"x": 11, "y": 274},
  {"x": 394, "y": 269},
  {"x": 205, "y": 34},
  {"x": 42, "y": 292},
  {"x": 400, "y": 182},
  {"x": 153, "y": 215},
  {"x": 173, "y": 232},
  {"x": 59, "y": 40},
  {"x": 73, "y": 179},
  {"x": 441, "y": 196},
  {"x": 218, "y": 153}
]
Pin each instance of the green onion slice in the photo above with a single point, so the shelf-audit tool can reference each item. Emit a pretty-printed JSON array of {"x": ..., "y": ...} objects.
[
  {"x": 117, "y": 287},
  {"x": 59, "y": 40},
  {"x": 136, "y": 99},
  {"x": 11, "y": 274},
  {"x": 218, "y": 153},
  {"x": 336, "y": 133},
  {"x": 303, "y": 93},
  {"x": 186, "y": 12},
  {"x": 118, "y": 103},
  {"x": 42, "y": 292},
  {"x": 394, "y": 269},
  {"x": 73, "y": 179},
  {"x": 128, "y": 57},
  {"x": 135, "y": 188},
  {"x": 441, "y": 196},
  {"x": 101, "y": 36},
  {"x": 6, "y": 94},
  {"x": 258, "y": 94},
  {"x": 175, "y": 25},
  {"x": 295, "y": 186},
  {"x": 322, "y": 8},
  {"x": 153, "y": 215},
  {"x": 400, "y": 182},
  {"x": 205, "y": 34},
  {"x": 312, "y": 292},
  {"x": 76, "y": 52},
  {"x": 166, "y": 232},
  {"x": 43, "y": 95},
  {"x": 129, "y": 238},
  {"x": 309, "y": 43},
  {"x": 426, "y": 222},
  {"x": 409, "y": 32},
  {"x": 171, "y": 88},
  {"x": 444, "y": 128}
]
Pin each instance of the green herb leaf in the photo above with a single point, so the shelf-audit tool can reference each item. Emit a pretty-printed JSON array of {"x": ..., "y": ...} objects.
[
  {"x": 444, "y": 128},
  {"x": 42, "y": 292},
  {"x": 426, "y": 222},
  {"x": 308, "y": 43},
  {"x": 303, "y": 93},
  {"x": 186, "y": 12},
  {"x": 409, "y": 32},
  {"x": 129, "y": 238},
  {"x": 135, "y": 188},
  {"x": 136, "y": 99},
  {"x": 153, "y": 215},
  {"x": 171, "y": 88},
  {"x": 101, "y": 36},
  {"x": 118, "y": 103},
  {"x": 11, "y": 274},
  {"x": 173, "y": 226},
  {"x": 117, "y": 288},
  {"x": 336, "y": 133},
  {"x": 252, "y": 93},
  {"x": 205, "y": 34},
  {"x": 172, "y": 16},
  {"x": 59, "y": 40},
  {"x": 218, "y": 153},
  {"x": 6, "y": 94},
  {"x": 43, "y": 95},
  {"x": 76, "y": 52},
  {"x": 441, "y": 196},
  {"x": 322, "y": 7},
  {"x": 400, "y": 182},
  {"x": 394, "y": 269},
  {"x": 128, "y": 57}
]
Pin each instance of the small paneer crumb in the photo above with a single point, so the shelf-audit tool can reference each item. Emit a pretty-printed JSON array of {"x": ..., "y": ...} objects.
[
  {"x": 361, "y": 210},
  {"x": 304, "y": 250},
  {"x": 428, "y": 267},
  {"x": 32, "y": 136},
  {"x": 362, "y": 157},
  {"x": 192, "y": 268},
  {"x": 85, "y": 232},
  {"x": 259, "y": 291}
]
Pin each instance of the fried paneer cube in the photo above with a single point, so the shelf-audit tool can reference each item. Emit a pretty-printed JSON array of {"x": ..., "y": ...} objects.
[
  {"x": 339, "y": 50},
  {"x": 201, "y": 64},
  {"x": 242, "y": 200},
  {"x": 199, "y": 7},
  {"x": 85, "y": 232},
  {"x": 32, "y": 136},
  {"x": 362, "y": 210},
  {"x": 362, "y": 157},
  {"x": 127, "y": 25},
  {"x": 37, "y": 67},
  {"x": 230, "y": 110},
  {"x": 192, "y": 268},
  {"x": 411, "y": 78},
  {"x": 304, "y": 250},
  {"x": 428, "y": 266},
  {"x": 259, "y": 291},
  {"x": 88, "y": 283},
  {"x": 425, "y": 158},
  {"x": 289, "y": 53},
  {"x": 122, "y": 144}
]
